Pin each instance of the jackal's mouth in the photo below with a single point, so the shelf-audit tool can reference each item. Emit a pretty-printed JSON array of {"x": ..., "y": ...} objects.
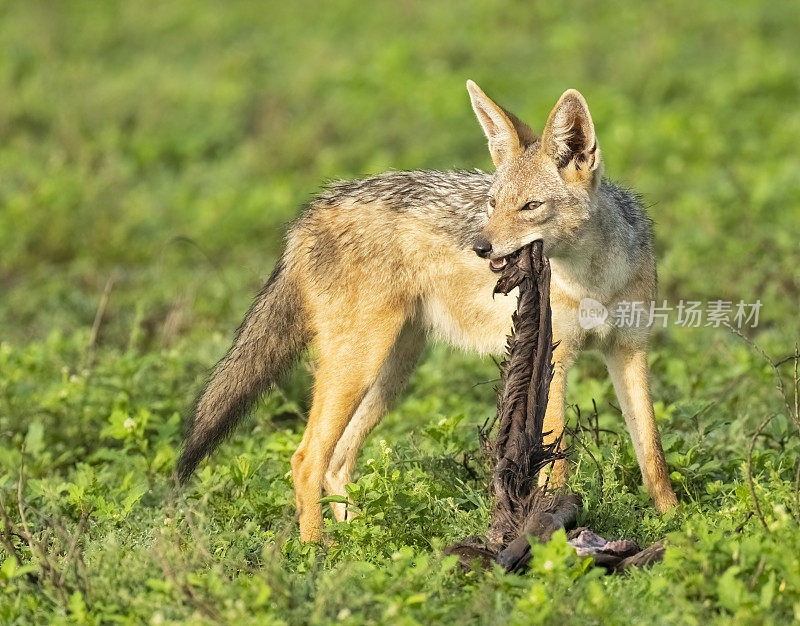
[
  {"x": 498, "y": 265},
  {"x": 513, "y": 267}
]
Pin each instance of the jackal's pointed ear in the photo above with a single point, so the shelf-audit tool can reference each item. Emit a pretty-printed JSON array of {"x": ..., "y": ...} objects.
[
  {"x": 507, "y": 135},
  {"x": 569, "y": 138}
]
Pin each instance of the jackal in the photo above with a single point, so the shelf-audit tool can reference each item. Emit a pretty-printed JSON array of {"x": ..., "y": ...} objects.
[{"x": 376, "y": 266}]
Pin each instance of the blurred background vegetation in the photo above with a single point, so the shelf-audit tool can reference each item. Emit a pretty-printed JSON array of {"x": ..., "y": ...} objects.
[
  {"x": 157, "y": 150},
  {"x": 174, "y": 140}
]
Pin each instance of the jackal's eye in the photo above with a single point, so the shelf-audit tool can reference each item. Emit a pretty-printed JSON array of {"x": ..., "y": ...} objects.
[
  {"x": 530, "y": 206},
  {"x": 492, "y": 202}
]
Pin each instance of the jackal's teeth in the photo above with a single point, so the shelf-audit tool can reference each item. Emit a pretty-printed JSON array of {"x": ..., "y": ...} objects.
[{"x": 497, "y": 265}]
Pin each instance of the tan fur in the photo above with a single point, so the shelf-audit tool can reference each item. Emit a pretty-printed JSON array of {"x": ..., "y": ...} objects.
[
  {"x": 375, "y": 266},
  {"x": 563, "y": 170},
  {"x": 399, "y": 279},
  {"x": 368, "y": 333}
]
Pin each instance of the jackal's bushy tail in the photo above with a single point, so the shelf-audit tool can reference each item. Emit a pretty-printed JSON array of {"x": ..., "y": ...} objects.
[{"x": 269, "y": 339}]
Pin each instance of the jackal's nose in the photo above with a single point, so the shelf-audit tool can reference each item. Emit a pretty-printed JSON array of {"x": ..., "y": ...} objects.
[{"x": 482, "y": 247}]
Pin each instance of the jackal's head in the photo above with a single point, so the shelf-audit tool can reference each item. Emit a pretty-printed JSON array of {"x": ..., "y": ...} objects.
[{"x": 543, "y": 188}]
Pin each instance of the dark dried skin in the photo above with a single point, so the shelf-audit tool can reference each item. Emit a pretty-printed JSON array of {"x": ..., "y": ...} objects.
[
  {"x": 519, "y": 448},
  {"x": 523, "y": 510},
  {"x": 550, "y": 512}
]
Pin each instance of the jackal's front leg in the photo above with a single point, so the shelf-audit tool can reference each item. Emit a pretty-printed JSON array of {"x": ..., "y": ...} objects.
[
  {"x": 628, "y": 369},
  {"x": 554, "y": 416}
]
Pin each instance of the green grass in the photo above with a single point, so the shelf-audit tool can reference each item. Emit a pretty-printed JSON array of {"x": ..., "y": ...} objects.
[{"x": 158, "y": 149}]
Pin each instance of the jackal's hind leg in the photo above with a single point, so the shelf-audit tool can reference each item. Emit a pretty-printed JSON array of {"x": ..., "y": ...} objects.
[
  {"x": 349, "y": 362},
  {"x": 392, "y": 378}
]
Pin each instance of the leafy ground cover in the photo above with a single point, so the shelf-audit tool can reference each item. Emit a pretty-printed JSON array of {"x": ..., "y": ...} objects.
[{"x": 150, "y": 156}]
